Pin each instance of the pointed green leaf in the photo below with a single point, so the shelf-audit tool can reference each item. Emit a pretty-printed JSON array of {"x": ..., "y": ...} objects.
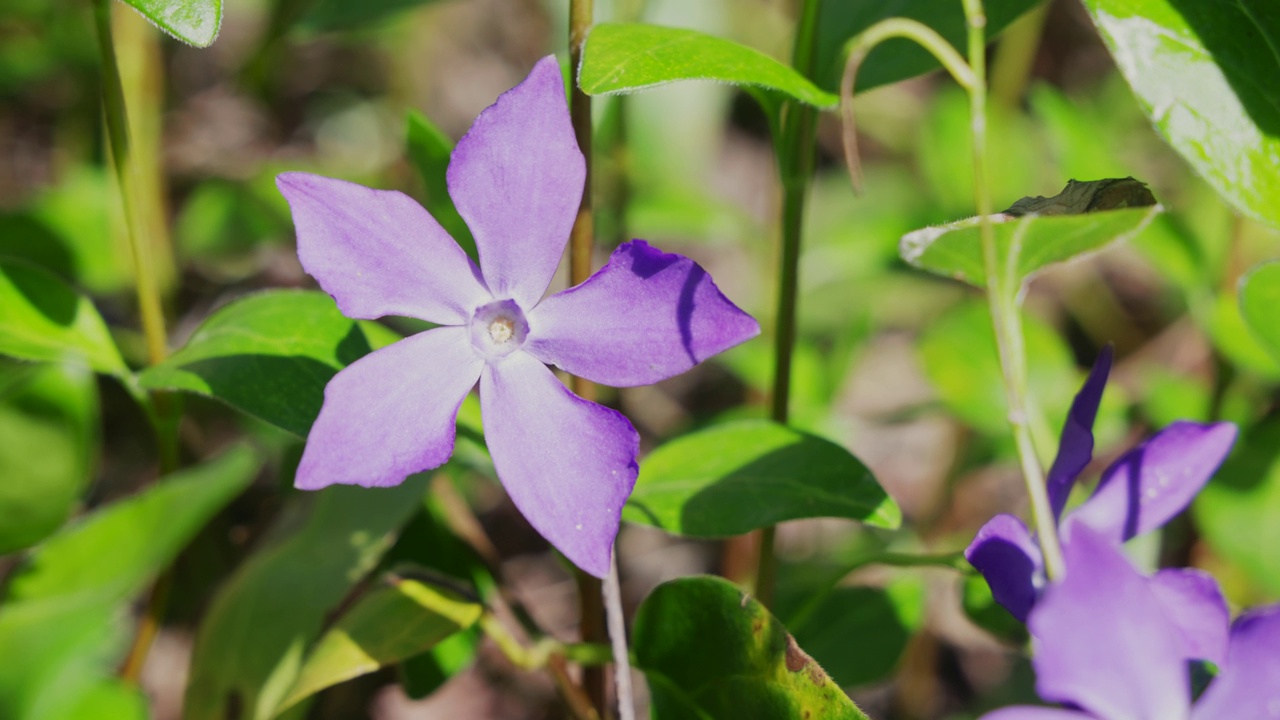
[
  {"x": 711, "y": 651},
  {"x": 1259, "y": 299},
  {"x": 44, "y": 319},
  {"x": 393, "y": 622},
  {"x": 738, "y": 477},
  {"x": 269, "y": 355},
  {"x": 48, "y": 439},
  {"x": 429, "y": 151},
  {"x": 195, "y": 22},
  {"x": 250, "y": 647},
  {"x": 1205, "y": 74},
  {"x": 1024, "y": 245},
  {"x": 623, "y": 58}
]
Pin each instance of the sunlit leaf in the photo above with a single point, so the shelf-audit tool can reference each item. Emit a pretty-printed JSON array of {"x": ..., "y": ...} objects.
[
  {"x": 1205, "y": 73},
  {"x": 391, "y": 623},
  {"x": 1260, "y": 305},
  {"x": 743, "y": 663},
  {"x": 737, "y": 477},
  {"x": 44, "y": 319},
  {"x": 195, "y": 22}
]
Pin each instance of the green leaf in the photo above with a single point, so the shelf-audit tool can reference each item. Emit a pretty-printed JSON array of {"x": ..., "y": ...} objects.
[
  {"x": 429, "y": 151},
  {"x": 1204, "y": 74},
  {"x": 48, "y": 439},
  {"x": 269, "y": 355},
  {"x": 897, "y": 59},
  {"x": 1024, "y": 245},
  {"x": 63, "y": 614},
  {"x": 44, "y": 319},
  {"x": 250, "y": 647},
  {"x": 387, "y": 625},
  {"x": 623, "y": 58},
  {"x": 1237, "y": 510},
  {"x": 1259, "y": 298},
  {"x": 711, "y": 651},
  {"x": 737, "y": 477},
  {"x": 195, "y": 22}
]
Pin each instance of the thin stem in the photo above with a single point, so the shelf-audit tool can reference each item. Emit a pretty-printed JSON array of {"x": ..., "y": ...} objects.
[
  {"x": 795, "y": 151},
  {"x": 618, "y": 639},
  {"x": 1003, "y": 299}
]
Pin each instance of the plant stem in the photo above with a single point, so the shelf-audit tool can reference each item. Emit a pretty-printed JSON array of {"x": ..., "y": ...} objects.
[
  {"x": 590, "y": 598},
  {"x": 1002, "y": 296},
  {"x": 795, "y": 150},
  {"x": 618, "y": 640}
]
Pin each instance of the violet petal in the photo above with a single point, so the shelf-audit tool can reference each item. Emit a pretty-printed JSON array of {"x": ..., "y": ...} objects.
[
  {"x": 1155, "y": 481},
  {"x": 1097, "y": 643},
  {"x": 1075, "y": 449},
  {"x": 391, "y": 413},
  {"x": 1249, "y": 687},
  {"x": 1008, "y": 557},
  {"x": 568, "y": 464},
  {"x": 644, "y": 317},
  {"x": 1022, "y": 712},
  {"x": 1192, "y": 600},
  {"x": 516, "y": 177},
  {"x": 377, "y": 252}
]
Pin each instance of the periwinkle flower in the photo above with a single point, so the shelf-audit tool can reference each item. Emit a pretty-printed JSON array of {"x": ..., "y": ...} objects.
[
  {"x": 516, "y": 178},
  {"x": 1107, "y": 649},
  {"x": 1138, "y": 493}
]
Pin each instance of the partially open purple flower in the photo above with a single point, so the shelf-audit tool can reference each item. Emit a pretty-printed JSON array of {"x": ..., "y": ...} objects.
[
  {"x": 517, "y": 179},
  {"x": 1138, "y": 493},
  {"x": 1107, "y": 647}
]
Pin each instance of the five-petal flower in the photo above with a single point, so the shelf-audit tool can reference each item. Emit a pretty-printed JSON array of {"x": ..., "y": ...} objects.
[
  {"x": 1105, "y": 647},
  {"x": 516, "y": 178}
]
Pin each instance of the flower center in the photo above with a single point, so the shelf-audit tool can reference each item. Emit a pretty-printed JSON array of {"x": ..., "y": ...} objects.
[{"x": 498, "y": 328}]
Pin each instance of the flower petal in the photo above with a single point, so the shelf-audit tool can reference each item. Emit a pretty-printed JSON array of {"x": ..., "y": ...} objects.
[
  {"x": 1075, "y": 449},
  {"x": 1150, "y": 484},
  {"x": 1249, "y": 687},
  {"x": 1097, "y": 643},
  {"x": 1035, "y": 713},
  {"x": 391, "y": 413},
  {"x": 568, "y": 464},
  {"x": 516, "y": 177},
  {"x": 1192, "y": 600},
  {"x": 1008, "y": 557},
  {"x": 645, "y": 316},
  {"x": 377, "y": 252}
]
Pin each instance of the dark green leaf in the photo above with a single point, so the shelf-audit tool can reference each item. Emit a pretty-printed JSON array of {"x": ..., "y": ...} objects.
[
  {"x": 1259, "y": 301},
  {"x": 1025, "y": 245},
  {"x": 710, "y": 651},
  {"x": 393, "y": 622},
  {"x": 429, "y": 150},
  {"x": 44, "y": 319},
  {"x": 250, "y": 646},
  {"x": 192, "y": 21},
  {"x": 48, "y": 439},
  {"x": 269, "y": 355},
  {"x": 857, "y": 633},
  {"x": 737, "y": 477},
  {"x": 1204, "y": 72},
  {"x": 622, "y": 58}
]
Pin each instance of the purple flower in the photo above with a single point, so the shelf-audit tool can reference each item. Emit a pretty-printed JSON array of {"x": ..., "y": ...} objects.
[
  {"x": 517, "y": 179},
  {"x": 1140, "y": 492},
  {"x": 1107, "y": 647}
]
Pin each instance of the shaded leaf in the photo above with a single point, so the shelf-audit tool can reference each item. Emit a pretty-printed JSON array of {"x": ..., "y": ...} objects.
[
  {"x": 742, "y": 665},
  {"x": 195, "y": 22},
  {"x": 1204, "y": 74},
  {"x": 269, "y": 355},
  {"x": 737, "y": 477},
  {"x": 623, "y": 58},
  {"x": 44, "y": 319},
  {"x": 1259, "y": 300},
  {"x": 48, "y": 439},
  {"x": 250, "y": 646},
  {"x": 429, "y": 150},
  {"x": 389, "y": 624}
]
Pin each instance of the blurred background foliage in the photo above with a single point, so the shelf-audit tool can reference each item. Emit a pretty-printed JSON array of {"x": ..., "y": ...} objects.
[{"x": 895, "y": 365}]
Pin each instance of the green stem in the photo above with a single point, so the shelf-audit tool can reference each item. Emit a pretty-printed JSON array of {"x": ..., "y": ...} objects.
[
  {"x": 1003, "y": 291},
  {"x": 795, "y": 154},
  {"x": 536, "y": 656}
]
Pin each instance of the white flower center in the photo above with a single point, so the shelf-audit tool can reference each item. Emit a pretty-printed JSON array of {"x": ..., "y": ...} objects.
[
  {"x": 501, "y": 329},
  {"x": 498, "y": 329}
]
